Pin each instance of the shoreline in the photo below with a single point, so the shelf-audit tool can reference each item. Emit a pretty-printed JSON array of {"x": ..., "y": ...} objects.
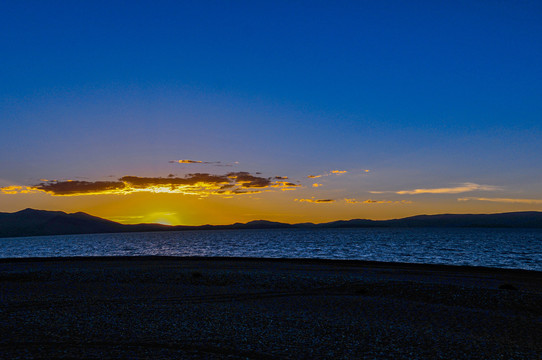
[
  {"x": 312, "y": 261},
  {"x": 265, "y": 308}
]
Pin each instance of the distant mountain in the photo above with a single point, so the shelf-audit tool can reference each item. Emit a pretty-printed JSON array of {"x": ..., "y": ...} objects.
[
  {"x": 30, "y": 222},
  {"x": 526, "y": 219},
  {"x": 261, "y": 224}
]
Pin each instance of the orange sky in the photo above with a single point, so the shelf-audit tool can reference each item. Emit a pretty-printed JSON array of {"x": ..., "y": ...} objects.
[{"x": 201, "y": 198}]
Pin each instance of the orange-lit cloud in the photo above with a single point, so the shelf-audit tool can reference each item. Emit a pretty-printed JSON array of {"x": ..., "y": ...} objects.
[
  {"x": 15, "y": 189},
  {"x": 369, "y": 201},
  {"x": 284, "y": 185},
  {"x": 503, "y": 200},
  {"x": 202, "y": 184},
  {"x": 316, "y": 185},
  {"x": 317, "y": 201},
  {"x": 187, "y": 161},
  {"x": 332, "y": 172},
  {"x": 11, "y": 189},
  {"x": 215, "y": 163},
  {"x": 464, "y": 187}
]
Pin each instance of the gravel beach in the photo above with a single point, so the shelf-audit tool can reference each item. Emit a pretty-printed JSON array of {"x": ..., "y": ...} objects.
[{"x": 240, "y": 308}]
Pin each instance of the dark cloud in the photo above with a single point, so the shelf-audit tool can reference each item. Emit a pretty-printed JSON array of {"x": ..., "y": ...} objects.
[
  {"x": 227, "y": 186},
  {"x": 190, "y": 179},
  {"x": 196, "y": 184},
  {"x": 245, "y": 179},
  {"x": 72, "y": 187}
]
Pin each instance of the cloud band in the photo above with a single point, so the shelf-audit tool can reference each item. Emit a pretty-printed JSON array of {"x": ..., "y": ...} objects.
[{"x": 202, "y": 184}]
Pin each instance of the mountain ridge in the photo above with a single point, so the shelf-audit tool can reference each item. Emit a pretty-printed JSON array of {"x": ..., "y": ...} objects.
[{"x": 32, "y": 222}]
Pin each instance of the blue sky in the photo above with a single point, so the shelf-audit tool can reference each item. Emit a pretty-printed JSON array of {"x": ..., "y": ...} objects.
[{"x": 423, "y": 94}]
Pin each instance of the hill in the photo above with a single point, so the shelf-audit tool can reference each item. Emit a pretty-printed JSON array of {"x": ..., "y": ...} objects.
[{"x": 31, "y": 222}]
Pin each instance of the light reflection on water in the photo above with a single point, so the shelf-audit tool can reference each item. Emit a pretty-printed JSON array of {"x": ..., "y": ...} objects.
[{"x": 506, "y": 248}]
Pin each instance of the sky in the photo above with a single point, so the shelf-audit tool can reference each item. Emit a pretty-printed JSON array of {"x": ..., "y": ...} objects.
[{"x": 215, "y": 112}]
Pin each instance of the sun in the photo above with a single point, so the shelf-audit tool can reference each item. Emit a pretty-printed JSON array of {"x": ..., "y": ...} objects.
[{"x": 164, "y": 218}]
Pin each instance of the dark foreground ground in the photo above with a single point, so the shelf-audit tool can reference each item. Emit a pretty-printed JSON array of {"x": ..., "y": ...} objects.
[{"x": 162, "y": 308}]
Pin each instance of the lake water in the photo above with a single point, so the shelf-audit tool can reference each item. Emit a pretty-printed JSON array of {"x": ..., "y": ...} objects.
[{"x": 504, "y": 248}]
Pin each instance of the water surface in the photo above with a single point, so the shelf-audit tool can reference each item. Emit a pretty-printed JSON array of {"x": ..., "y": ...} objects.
[{"x": 504, "y": 248}]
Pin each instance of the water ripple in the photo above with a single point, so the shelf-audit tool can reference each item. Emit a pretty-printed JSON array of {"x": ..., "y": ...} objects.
[{"x": 505, "y": 248}]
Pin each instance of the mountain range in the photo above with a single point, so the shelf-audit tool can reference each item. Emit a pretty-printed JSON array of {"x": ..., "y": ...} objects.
[{"x": 31, "y": 222}]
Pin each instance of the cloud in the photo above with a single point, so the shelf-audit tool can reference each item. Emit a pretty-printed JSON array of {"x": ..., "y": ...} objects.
[
  {"x": 248, "y": 180},
  {"x": 332, "y": 172},
  {"x": 11, "y": 189},
  {"x": 316, "y": 185},
  {"x": 186, "y": 161},
  {"x": 77, "y": 187},
  {"x": 15, "y": 189},
  {"x": 218, "y": 163},
  {"x": 464, "y": 187},
  {"x": 215, "y": 163},
  {"x": 317, "y": 201},
  {"x": 503, "y": 200},
  {"x": 285, "y": 185},
  {"x": 370, "y": 201},
  {"x": 202, "y": 184}
]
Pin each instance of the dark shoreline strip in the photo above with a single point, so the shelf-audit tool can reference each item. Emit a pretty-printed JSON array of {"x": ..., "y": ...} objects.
[{"x": 299, "y": 261}]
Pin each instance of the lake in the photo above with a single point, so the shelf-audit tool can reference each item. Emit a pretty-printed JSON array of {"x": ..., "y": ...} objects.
[{"x": 502, "y": 248}]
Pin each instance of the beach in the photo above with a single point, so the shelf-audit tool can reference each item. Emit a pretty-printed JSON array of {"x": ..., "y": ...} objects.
[{"x": 250, "y": 308}]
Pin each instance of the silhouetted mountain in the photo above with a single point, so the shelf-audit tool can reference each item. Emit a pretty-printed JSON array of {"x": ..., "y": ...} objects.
[
  {"x": 30, "y": 222},
  {"x": 527, "y": 219},
  {"x": 261, "y": 224},
  {"x": 354, "y": 223}
]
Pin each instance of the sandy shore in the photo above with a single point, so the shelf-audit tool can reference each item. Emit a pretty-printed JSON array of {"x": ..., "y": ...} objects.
[{"x": 215, "y": 308}]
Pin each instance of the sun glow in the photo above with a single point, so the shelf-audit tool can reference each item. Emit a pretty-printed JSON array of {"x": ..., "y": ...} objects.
[{"x": 164, "y": 218}]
